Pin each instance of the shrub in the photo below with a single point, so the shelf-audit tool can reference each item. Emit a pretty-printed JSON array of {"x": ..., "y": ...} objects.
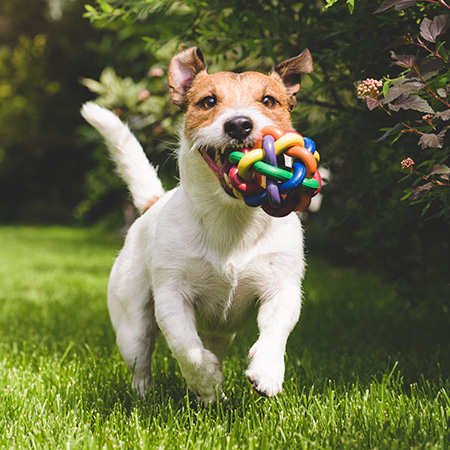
[{"x": 418, "y": 101}]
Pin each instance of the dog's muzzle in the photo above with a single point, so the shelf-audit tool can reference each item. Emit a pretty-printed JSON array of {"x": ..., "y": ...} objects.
[
  {"x": 237, "y": 130},
  {"x": 218, "y": 162}
]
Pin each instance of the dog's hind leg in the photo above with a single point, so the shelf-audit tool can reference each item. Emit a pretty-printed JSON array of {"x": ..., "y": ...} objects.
[
  {"x": 218, "y": 344},
  {"x": 131, "y": 308}
]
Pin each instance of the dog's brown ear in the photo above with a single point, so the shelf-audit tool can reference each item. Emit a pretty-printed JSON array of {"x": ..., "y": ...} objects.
[
  {"x": 182, "y": 70},
  {"x": 291, "y": 70}
]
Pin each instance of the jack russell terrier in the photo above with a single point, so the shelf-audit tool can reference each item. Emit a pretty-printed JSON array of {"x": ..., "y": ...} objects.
[{"x": 197, "y": 263}]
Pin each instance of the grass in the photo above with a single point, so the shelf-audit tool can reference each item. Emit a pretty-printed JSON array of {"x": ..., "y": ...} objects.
[{"x": 364, "y": 368}]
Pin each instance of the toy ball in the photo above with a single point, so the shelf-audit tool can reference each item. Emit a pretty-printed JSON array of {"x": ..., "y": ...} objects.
[{"x": 261, "y": 176}]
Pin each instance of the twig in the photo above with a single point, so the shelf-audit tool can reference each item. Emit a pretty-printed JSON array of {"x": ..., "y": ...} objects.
[
  {"x": 429, "y": 180},
  {"x": 438, "y": 2},
  {"x": 419, "y": 43},
  {"x": 410, "y": 129},
  {"x": 430, "y": 92}
]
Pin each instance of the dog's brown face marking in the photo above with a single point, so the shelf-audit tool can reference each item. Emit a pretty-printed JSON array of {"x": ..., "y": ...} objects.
[
  {"x": 225, "y": 111},
  {"x": 203, "y": 96},
  {"x": 211, "y": 95}
]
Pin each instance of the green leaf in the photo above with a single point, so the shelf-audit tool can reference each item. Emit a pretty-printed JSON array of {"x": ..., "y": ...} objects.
[
  {"x": 330, "y": 3},
  {"x": 426, "y": 208},
  {"x": 105, "y": 6},
  {"x": 90, "y": 8},
  {"x": 351, "y": 5},
  {"x": 386, "y": 87},
  {"x": 407, "y": 195}
]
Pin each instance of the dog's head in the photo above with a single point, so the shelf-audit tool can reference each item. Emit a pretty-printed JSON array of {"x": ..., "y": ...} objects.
[{"x": 225, "y": 111}]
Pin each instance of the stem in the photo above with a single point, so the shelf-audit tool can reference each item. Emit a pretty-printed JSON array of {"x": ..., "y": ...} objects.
[
  {"x": 425, "y": 178},
  {"x": 411, "y": 129},
  {"x": 438, "y": 2},
  {"x": 430, "y": 92},
  {"x": 419, "y": 43}
]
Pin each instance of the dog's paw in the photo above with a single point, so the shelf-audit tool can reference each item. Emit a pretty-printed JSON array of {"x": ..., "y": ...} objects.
[
  {"x": 142, "y": 385},
  {"x": 203, "y": 375},
  {"x": 219, "y": 397},
  {"x": 266, "y": 371}
]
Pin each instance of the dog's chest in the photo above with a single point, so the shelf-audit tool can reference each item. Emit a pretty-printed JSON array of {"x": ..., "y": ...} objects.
[{"x": 224, "y": 294}]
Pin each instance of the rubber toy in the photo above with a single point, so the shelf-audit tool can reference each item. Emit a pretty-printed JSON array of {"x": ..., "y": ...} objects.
[{"x": 261, "y": 177}]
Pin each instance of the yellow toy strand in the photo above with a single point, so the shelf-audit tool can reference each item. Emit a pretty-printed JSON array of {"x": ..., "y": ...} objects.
[
  {"x": 288, "y": 140},
  {"x": 257, "y": 154},
  {"x": 247, "y": 161}
]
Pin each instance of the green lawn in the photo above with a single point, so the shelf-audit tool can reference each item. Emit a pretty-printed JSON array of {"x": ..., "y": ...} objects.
[{"x": 364, "y": 368}]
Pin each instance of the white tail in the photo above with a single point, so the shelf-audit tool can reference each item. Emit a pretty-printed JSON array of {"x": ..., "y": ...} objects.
[{"x": 132, "y": 163}]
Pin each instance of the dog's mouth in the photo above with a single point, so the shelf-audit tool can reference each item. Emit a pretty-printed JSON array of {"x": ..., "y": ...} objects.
[{"x": 217, "y": 160}]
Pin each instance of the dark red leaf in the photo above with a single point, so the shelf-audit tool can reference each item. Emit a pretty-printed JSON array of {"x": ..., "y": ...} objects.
[
  {"x": 429, "y": 67},
  {"x": 431, "y": 29},
  {"x": 425, "y": 30},
  {"x": 398, "y": 4},
  {"x": 401, "y": 86},
  {"x": 420, "y": 192},
  {"x": 372, "y": 103},
  {"x": 410, "y": 101},
  {"x": 430, "y": 141},
  {"x": 443, "y": 115},
  {"x": 439, "y": 169},
  {"x": 441, "y": 134},
  {"x": 397, "y": 127},
  {"x": 443, "y": 92},
  {"x": 407, "y": 61}
]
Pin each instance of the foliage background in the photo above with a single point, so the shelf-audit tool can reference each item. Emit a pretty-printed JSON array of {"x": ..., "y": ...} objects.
[{"x": 55, "y": 169}]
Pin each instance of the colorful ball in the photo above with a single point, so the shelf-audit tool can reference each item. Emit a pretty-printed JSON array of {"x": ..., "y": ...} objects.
[{"x": 261, "y": 176}]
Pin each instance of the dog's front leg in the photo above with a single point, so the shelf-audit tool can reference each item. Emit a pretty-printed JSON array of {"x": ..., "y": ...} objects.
[
  {"x": 199, "y": 366},
  {"x": 277, "y": 316}
]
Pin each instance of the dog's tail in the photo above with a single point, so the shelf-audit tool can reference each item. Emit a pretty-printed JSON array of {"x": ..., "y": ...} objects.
[{"x": 132, "y": 163}]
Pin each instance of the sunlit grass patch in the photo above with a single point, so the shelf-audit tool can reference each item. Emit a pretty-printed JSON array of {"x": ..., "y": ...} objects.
[{"x": 362, "y": 370}]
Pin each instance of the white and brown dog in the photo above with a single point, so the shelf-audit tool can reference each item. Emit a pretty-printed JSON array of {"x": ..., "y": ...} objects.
[{"x": 198, "y": 262}]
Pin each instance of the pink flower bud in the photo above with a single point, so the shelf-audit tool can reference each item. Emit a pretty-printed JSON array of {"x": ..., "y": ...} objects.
[
  {"x": 369, "y": 88},
  {"x": 407, "y": 164},
  {"x": 144, "y": 95},
  {"x": 156, "y": 72}
]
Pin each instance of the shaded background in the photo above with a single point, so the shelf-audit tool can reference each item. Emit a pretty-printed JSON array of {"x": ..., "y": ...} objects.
[{"x": 54, "y": 169}]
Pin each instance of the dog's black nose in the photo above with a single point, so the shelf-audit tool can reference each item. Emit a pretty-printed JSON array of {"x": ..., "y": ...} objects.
[{"x": 238, "y": 127}]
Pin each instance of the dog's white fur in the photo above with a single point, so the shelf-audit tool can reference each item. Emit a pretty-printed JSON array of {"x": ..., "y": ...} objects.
[{"x": 198, "y": 263}]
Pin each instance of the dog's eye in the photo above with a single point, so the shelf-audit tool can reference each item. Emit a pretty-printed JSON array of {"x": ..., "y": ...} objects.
[
  {"x": 269, "y": 101},
  {"x": 208, "y": 102}
]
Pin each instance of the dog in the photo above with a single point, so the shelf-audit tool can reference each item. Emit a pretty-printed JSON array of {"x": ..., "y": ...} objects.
[{"x": 198, "y": 262}]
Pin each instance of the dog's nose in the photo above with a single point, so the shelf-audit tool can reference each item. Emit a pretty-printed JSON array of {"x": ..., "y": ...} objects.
[{"x": 238, "y": 127}]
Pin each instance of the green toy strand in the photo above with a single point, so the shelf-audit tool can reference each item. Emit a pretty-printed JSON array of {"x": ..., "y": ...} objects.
[{"x": 309, "y": 184}]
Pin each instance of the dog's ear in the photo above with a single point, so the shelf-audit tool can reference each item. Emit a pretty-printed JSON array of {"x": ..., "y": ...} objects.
[
  {"x": 291, "y": 70},
  {"x": 182, "y": 70}
]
